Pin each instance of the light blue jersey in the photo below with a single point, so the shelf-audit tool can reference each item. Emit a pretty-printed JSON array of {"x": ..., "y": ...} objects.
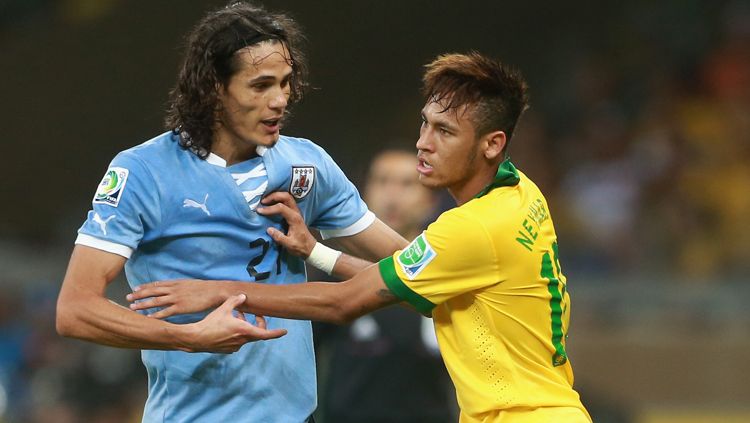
[{"x": 177, "y": 216}]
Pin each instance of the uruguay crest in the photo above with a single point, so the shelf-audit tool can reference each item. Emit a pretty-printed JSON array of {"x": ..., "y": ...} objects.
[{"x": 303, "y": 179}]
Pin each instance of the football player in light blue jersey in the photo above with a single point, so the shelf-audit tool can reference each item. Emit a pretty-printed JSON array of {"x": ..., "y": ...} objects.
[{"x": 183, "y": 205}]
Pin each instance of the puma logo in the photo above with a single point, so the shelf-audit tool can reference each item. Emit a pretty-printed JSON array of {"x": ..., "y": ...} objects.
[
  {"x": 192, "y": 203},
  {"x": 102, "y": 222}
]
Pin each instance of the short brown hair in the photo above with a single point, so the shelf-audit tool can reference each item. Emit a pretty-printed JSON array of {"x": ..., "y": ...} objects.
[{"x": 497, "y": 91}]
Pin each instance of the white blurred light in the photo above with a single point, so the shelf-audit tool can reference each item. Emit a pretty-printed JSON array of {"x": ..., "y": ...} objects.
[
  {"x": 365, "y": 329},
  {"x": 3, "y": 400}
]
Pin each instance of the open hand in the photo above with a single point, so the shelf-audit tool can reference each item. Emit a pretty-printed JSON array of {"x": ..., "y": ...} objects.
[
  {"x": 223, "y": 332},
  {"x": 298, "y": 240},
  {"x": 177, "y": 296}
]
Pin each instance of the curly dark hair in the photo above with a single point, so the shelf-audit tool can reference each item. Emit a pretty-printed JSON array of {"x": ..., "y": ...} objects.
[{"x": 210, "y": 60}]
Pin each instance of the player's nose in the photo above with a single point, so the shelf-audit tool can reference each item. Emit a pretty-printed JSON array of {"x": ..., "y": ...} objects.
[
  {"x": 423, "y": 143},
  {"x": 279, "y": 100}
]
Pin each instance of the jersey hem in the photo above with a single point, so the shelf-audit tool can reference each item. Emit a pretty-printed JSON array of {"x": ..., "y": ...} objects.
[
  {"x": 399, "y": 288},
  {"x": 108, "y": 246},
  {"x": 360, "y": 225}
]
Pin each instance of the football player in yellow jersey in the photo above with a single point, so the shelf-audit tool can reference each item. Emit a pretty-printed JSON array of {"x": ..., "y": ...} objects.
[{"x": 487, "y": 271}]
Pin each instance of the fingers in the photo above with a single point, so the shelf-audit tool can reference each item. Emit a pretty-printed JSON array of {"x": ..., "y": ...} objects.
[
  {"x": 149, "y": 290},
  {"x": 259, "y": 331},
  {"x": 155, "y": 284},
  {"x": 246, "y": 332},
  {"x": 292, "y": 216},
  {"x": 164, "y": 313},
  {"x": 277, "y": 236},
  {"x": 250, "y": 336},
  {"x": 232, "y": 302},
  {"x": 150, "y": 303},
  {"x": 145, "y": 293},
  {"x": 280, "y": 197},
  {"x": 264, "y": 334}
]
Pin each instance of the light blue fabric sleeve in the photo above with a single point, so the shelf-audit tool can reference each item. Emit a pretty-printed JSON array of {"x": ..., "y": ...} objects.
[
  {"x": 339, "y": 205},
  {"x": 125, "y": 215}
]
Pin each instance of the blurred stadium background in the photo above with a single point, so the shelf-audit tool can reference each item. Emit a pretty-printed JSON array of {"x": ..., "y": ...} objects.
[{"x": 639, "y": 134}]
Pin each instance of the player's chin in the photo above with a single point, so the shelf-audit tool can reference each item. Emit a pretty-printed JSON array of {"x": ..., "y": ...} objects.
[
  {"x": 429, "y": 181},
  {"x": 268, "y": 140}
]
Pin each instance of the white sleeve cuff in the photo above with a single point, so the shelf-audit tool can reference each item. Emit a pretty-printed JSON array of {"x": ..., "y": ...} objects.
[
  {"x": 108, "y": 246},
  {"x": 360, "y": 225}
]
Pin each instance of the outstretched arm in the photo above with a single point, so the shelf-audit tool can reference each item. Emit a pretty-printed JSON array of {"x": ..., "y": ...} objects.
[
  {"x": 84, "y": 312},
  {"x": 328, "y": 302},
  {"x": 321, "y": 301}
]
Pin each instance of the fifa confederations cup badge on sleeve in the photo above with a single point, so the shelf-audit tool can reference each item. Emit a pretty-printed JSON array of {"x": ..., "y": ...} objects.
[
  {"x": 303, "y": 180},
  {"x": 414, "y": 258},
  {"x": 111, "y": 187}
]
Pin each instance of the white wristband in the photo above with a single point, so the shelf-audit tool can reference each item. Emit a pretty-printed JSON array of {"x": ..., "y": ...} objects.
[{"x": 323, "y": 258}]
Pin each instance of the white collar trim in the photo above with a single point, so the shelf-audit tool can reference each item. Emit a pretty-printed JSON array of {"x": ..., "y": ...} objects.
[{"x": 218, "y": 161}]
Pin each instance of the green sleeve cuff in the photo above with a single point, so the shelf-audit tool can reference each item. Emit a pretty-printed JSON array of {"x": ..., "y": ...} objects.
[{"x": 399, "y": 288}]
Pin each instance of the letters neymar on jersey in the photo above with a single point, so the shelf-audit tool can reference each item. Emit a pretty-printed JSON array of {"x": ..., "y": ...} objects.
[{"x": 537, "y": 214}]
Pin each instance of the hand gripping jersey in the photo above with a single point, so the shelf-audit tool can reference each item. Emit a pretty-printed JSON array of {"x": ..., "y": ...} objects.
[
  {"x": 177, "y": 216},
  {"x": 489, "y": 273}
]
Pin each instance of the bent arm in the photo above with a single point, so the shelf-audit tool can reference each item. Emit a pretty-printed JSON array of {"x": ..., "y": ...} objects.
[
  {"x": 374, "y": 243},
  {"x": 84, "y": 312},
  {"x": 347, "y": 266}
]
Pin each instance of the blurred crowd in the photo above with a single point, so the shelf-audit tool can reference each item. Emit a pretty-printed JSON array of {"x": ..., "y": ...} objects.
[
  {"x": 646, "y": 160},
  {"x": 46, "y": 378},
  {"x": 644, "y": 157}
]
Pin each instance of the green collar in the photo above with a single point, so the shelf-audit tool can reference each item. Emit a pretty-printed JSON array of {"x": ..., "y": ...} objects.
[{"x": 506, "y": 176}]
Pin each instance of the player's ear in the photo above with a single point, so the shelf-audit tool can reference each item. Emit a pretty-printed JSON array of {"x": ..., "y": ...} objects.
[
  {"x": 494, "y": 143},
  {"x": 221, "y": 94},
  {"x": 221, "y": 90}
]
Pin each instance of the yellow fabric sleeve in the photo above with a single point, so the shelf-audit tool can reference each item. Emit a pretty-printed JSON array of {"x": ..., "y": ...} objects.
[{"x": 453, "y": 256}]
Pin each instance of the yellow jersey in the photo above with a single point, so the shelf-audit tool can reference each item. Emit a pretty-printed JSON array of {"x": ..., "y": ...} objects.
[{"x": 489, "y": 273}]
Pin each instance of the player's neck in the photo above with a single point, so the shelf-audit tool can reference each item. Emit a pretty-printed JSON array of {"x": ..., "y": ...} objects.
[
  {"x": 464, "y": 191},
  {"x": 232, "y": 149}
]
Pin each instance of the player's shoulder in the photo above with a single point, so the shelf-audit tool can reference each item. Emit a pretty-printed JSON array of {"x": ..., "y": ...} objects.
[
  {"x": 302, "y": 151},
  {"x": 498, "y": 208},
  {"x": 153, "y": 152},
  {"x": 509, "y": 199},
  {"x": 458, "y": 220},
  {"x": 298, "y": 148},
  {"x": 504, "y": 208}
]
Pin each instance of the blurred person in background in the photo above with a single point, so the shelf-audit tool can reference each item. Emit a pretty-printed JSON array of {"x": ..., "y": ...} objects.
[
  {"x": 390, "y": 356},
  {"x": 488, "y": 271},
  {"x": 183, "y": 205}
]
